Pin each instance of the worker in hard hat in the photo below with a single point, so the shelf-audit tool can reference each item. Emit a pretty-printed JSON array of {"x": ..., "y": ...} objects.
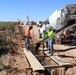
[
  {"x": 28, "y": 36},
  {"x": 51, "y": 35}
]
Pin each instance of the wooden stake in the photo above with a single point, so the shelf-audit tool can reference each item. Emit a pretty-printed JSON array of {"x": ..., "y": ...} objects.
[
  {"x": 52, "y": 72},
  {"x": 63, "y": 71}
]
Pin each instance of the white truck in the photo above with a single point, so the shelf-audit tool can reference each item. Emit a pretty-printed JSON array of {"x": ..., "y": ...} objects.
[{"x": 64, "y": 21}]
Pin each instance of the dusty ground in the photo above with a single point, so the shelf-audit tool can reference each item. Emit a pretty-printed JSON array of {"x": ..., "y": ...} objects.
[
  {"x": 18, "y": 62},
  {"x": 67, "y": 53}
]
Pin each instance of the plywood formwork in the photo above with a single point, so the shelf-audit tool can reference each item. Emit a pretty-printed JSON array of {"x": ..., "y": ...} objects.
[
  {"x": 35, "y": 64},
  {"x": 57, "y": 59}
]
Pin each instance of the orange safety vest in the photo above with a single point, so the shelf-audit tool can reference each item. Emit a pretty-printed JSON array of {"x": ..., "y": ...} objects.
[{"x": 27, "y": 33}]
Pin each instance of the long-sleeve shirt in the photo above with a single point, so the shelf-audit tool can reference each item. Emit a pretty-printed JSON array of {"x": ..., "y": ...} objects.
[
  {"x": 51, "y": 34},
  {"x": 44, "y": 35}
]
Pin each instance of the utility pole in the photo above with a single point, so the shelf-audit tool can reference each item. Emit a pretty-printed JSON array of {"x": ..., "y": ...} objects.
[{"x": 27, "y": 20}]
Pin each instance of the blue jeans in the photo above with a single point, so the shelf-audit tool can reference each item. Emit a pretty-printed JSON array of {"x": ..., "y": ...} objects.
[
  {"x": 27, "y": 43},
  {"x": 50, "y": 45}
]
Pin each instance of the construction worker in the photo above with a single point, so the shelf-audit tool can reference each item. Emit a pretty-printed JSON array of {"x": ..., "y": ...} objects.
[
  {"x": 51, "y": 35},
  {"x": 28, "y": 36},
  {"x": 44, "y": 36}
]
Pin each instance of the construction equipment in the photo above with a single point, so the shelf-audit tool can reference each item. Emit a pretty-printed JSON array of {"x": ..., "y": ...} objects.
[{"x": 64, "y": 21}]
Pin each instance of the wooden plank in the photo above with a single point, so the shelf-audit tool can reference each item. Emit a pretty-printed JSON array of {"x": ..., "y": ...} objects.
[
  {"x": 59, "y": 66},
  {"x": 47, "y": 53},
  {"x": 53, "y": 66},
  {"x": 41, "y": 56},
  {"x": 35, "y": 65},
  {"x": 59, "y": 60},
  {"x": 45, "y": 49}
]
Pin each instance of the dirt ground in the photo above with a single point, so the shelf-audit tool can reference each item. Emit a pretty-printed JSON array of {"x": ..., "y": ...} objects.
[{"x": 18, "y": 63}]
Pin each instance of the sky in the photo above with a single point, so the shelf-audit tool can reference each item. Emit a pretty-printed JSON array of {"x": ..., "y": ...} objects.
[{"x": 12, "y": 10}]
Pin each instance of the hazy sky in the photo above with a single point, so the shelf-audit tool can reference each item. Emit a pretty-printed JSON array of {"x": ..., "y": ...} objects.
[{"x": 10, "y": 10}]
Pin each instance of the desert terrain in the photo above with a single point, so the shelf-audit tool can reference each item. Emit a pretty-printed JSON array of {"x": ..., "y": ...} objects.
[{"x": 16, "y": 60}]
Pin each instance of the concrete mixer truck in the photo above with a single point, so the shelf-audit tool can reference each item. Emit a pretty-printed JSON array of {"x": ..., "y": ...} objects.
[{"x": 63, "y": 21}]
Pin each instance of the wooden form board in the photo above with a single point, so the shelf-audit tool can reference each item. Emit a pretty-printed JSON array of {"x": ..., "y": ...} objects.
[
  {"x": 47, "y": 53},
  {"x": 45, "y": 49},
  {"x": 35, "y": 65},
  {"x": 57, "y": 59}
]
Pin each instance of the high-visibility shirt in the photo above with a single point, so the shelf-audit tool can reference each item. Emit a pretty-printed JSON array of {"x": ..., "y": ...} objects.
[
  {"x": 51, "y": 33},
  {"x": 27, "y": 33},
  {"x": 45, "y": 35}
]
